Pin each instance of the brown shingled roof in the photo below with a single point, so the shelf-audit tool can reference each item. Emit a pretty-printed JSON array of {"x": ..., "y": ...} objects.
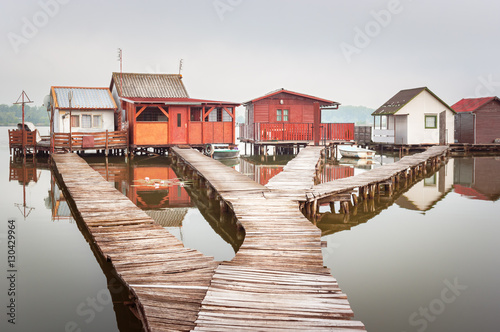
[
  {"x": 402, "y": 98},
  {"x": 136, "y": 85}
]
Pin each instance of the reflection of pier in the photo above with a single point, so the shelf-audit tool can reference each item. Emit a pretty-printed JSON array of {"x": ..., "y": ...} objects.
[
  {"x": 421, "y": 194},
  {"x": 368, "y": 184}
]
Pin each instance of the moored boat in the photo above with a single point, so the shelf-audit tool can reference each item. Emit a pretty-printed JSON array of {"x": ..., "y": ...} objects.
[
  {"x": 355, "y": 152},
  {"x": 221, "y": 151}
]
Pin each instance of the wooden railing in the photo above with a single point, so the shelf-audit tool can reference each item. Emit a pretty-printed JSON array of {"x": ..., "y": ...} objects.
[
  {"x": 16, "y": 139},
  {"x": 90, "y": 141},
  {"x": 265, "y": 132}
]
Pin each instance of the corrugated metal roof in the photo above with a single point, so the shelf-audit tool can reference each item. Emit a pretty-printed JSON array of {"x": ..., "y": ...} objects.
[
  {"x": 149, "y": 85},
  {"x": 171, "y": 217},
  {"x": 84, "y": 98},
  {"x": 471, "y": 104},
  {"x": 402, "y": 98}
]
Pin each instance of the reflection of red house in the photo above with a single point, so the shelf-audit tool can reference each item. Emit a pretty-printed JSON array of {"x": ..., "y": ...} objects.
[
  {"x": 477, "y": 120},
  {"x": 469, "y": 192},
  {"x": 477, "y": 177},
  {"x": 285, "y": 115},
  {"x": 262, "y": 173},
  {"x": 157, "y": 188},
  {"x": 160, "y": 113}
]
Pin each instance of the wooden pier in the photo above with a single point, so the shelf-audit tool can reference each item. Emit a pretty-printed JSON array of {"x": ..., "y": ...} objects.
[
  {"x": 368, "y": 184},
  {"x": 277, "y": 280},
  {"x": 168, "y": 280}
]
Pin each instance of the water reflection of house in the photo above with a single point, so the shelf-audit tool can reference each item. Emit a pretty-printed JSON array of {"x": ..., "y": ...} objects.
[
  {"x": 423, "y": 195},
  {"x": 262, "y": 168},
  {"x": 57, "y": 203},
  {"x": 171, "y": 217},
  {"x": 23, "y": 173},
  {"x": 477, "y": 177}
]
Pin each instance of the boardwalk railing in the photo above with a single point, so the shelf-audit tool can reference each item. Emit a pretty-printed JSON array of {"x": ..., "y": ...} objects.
[
  {"x": 92, "y": 141},
  {"x": 16, "y": 139},
  {"x": 265, "y": 132}
]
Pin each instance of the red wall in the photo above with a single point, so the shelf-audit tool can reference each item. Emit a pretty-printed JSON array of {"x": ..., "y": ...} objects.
[
  {"x": 488, "y": 123},
  {"x": 300, "y": 108}
]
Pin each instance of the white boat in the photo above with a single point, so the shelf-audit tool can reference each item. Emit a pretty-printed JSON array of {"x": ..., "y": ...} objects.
[
  {"x": 221, "y": 151},
  {"x": 355, "y": 152},
  {"x": 29, "y": 126}
]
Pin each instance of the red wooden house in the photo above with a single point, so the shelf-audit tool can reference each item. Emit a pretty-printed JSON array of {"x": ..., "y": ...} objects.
[
  {"x": 159, "y": 112},
  {"x": 477, "y": 120},
  {"x": 285, "y": 115}
]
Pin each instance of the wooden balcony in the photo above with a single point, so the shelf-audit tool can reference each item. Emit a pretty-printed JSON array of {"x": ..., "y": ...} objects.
[{"x": 295, "y": 132}]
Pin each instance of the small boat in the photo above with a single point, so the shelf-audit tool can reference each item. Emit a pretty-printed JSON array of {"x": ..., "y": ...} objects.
[
  {"x": 29, "y": 127},
  {"x": 355, "y": 152},
  {"x": 221, "y": 151}
]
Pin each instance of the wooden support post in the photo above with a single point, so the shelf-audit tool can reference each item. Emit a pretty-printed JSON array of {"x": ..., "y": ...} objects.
[
  {"x": 354, "y": 199},
  {"x": 315, "y": 207},
  {"x": 332, "y": 207}
]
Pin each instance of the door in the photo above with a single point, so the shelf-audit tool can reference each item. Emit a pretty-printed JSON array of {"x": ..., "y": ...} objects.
[
  {"x": 401, "y": 129},
  {"x": 178, "y": 125},
  {"x": 442, "y": 128}
]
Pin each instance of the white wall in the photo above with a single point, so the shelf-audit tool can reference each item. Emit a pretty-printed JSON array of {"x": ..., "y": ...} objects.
[
  {"x": 426, "y": 104},
  {"x": 61, "y": 123},
  {"x": 423, "y": 194}
]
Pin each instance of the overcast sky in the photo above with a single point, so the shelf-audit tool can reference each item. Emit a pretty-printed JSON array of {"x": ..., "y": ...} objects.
[{"x": 353, "y": 52}]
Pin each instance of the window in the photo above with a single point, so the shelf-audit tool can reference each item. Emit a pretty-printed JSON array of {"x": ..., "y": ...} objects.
[
  {"x": 75, "y": 121},
  {"x": 97, "y": 121},
  {"x": 86, "y": 121},
  {"x": 196, "y": 113},
  {"x": 152, "y": 114},
  {"x": 431, "y": 121},
  {"x": 430, "y": 181},
  {"x": 281, "y": 115},
  {"x": 226, "y": 117},
  {"x": 179, "y": 120}
]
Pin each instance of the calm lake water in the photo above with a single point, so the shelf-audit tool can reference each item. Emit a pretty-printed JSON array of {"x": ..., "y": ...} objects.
[{"x": 424, "y": 260}]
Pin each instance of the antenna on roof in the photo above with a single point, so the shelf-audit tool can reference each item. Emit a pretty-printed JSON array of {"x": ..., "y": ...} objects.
[
  {"x": 120, "y": 58},
  {"x": 180, "y": 67}
]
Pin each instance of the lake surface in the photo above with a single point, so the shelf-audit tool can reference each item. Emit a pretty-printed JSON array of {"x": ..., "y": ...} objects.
[{"x": 423, "y": 260}]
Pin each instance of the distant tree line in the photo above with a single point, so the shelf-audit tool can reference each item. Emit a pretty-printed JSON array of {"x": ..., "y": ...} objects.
[
  {"x": 359, "y": 115},
  {"x": 12, "y": 115}
]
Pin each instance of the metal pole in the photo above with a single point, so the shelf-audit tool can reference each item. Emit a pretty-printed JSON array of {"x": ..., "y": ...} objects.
[{"x": 70, "y": 97}]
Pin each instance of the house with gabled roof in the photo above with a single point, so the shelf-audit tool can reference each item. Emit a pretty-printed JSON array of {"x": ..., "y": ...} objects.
[
  {"x": 92, "y": 109},
  {"x": 477, "y": 120},
  {"x": 414, "y": 116},
  {"x": 284, "y": 116},
  {"x": 159, "y": 113}
]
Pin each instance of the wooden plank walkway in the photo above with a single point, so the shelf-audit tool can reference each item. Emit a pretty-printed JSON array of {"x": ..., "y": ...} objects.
[
  {"x": 387, "y": 173},
  {"x": 277, "y": 280},
  {"x": 168, "y": 280}
]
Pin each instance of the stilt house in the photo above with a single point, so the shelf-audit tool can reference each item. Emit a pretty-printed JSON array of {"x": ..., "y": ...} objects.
[
  {"x": 285, "y": 115},
  {"x": 414, "y": 116},
  {"x": 477, "y": 120},
  {"x": 159, "y": 113}
]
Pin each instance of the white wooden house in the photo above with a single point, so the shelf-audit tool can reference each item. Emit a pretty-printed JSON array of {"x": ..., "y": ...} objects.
[
  {"x": 414, "y": 116},
  {"x": 91, "y": 109}
]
